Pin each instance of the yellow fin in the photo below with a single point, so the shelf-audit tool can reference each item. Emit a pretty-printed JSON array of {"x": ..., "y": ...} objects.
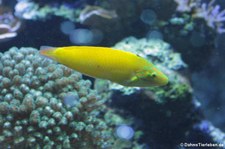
[
  {"x": 133, "y": 79},
  {"x": 47, "y": 51}
]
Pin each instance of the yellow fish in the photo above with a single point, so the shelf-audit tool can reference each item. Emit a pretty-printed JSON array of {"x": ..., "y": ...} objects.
[{"x": 119, "y": 66}]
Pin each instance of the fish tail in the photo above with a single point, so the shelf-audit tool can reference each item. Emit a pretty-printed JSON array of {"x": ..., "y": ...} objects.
[{"x": 47, "y": 51}]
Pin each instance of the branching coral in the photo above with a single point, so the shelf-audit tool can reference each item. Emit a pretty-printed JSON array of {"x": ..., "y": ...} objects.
[
  {"x": 46, "y": 105},
  {"x": 208, "y": 11}
]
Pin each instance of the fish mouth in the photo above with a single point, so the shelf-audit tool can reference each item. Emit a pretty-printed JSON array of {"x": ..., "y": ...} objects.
[{"x": 164, "y": 80}]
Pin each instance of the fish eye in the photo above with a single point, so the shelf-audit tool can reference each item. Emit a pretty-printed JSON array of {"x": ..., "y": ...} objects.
[{"x": 153, "y": 75}]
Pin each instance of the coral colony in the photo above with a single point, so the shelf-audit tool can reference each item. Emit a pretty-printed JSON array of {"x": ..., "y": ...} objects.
[{"x": 46, "y": 105}]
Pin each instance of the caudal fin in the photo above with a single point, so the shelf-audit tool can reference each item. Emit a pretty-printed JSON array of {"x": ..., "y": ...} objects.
[{"x": 47, "y": 51}]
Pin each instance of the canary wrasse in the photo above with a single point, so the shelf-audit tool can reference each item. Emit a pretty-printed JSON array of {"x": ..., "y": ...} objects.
[{"x": 118, "y": 66}]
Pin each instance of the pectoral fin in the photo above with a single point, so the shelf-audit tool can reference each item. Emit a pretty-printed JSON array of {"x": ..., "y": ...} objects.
[
  {"x": 133, "y": 79},
  {"x": 136, "y": 77}
]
